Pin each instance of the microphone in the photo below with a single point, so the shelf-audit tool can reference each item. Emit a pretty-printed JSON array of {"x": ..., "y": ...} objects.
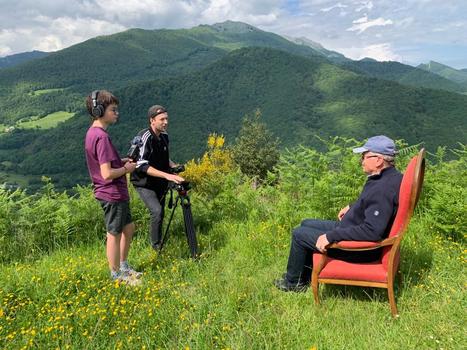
[{"x": 133, "y": 151}]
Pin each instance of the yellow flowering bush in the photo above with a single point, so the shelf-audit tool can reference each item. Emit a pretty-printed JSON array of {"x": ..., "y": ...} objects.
[{"x": 206, "y": 174}]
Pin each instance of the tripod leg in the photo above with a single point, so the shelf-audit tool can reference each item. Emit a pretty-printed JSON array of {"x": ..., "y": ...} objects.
[
  {"x": 166, "y": 233},
  {"x": 190, "y": 229}
]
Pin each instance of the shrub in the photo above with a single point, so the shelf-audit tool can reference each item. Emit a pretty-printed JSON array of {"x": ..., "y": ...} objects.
[
  {"x": 256, "y": 149},
  {"x": 207, "y": 174}
]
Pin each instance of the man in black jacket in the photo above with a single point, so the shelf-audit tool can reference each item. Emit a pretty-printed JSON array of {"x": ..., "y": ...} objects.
[
  {"x": 368, "y": 219},
  {"x": 152, "y": 173}
]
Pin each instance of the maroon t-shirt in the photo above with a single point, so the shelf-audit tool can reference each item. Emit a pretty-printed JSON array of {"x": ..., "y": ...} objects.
[{"x": 99, "y": 150}]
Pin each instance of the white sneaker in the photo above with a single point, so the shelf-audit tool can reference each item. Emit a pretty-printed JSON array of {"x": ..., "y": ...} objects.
[
  {"x": 127, "y": 269},
  {"x": 125, "y": 278}
]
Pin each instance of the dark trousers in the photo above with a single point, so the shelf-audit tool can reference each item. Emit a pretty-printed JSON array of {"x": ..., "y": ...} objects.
[
  {"x": 155, "y": 202},
  {"x": 303, "y": 245}
]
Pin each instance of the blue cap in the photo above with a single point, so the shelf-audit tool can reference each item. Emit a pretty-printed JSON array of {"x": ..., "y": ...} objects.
[{"x": 378, "y": 144}]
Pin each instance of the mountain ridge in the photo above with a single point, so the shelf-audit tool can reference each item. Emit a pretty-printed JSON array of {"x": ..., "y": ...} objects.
[
  {"x": 18, "y": 58},
  {"x": 458, "y": 76}
]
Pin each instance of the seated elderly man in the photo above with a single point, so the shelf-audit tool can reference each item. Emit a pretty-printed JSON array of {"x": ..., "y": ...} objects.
[{"x": 367, "y": 219}]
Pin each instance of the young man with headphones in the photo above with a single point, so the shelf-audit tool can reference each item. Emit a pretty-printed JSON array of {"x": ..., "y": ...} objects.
[
  {"x": 153, "y": 170},
  {"x": 108, "y": 175}
]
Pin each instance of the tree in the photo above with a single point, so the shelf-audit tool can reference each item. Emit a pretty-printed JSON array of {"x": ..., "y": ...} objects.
[{"x": 256, "y": 150}]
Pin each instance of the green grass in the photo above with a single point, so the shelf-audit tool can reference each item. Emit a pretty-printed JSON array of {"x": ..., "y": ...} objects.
[
  {"x": 47, "y": 122},
  {"x": 55, "y": 290},
  {"x": 13, "y": 178},
  {"x": 43, "y": 92},
  {"x": 226, "y": 300},
  {"x": 228, "y": 46}
]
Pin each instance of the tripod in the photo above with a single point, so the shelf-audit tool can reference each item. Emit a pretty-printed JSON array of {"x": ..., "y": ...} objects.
[{"x": 184, "y": 200}]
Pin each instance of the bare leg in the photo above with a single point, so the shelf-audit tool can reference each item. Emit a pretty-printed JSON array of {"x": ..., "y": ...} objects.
[
  {"x": 127, "y": 236},
  {"x": 113, "y": 251}
]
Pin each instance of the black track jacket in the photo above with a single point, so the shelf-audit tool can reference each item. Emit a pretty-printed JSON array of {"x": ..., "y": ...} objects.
[{"x": 153, "y": 152}]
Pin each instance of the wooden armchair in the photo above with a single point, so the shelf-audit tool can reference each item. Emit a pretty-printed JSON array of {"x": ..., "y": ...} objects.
[{"x": 380, "y": 273}]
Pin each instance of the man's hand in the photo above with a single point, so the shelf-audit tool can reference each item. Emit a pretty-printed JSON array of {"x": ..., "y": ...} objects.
[
  {"x": 130, "y": 166},
  {"x": 321, "y": 243},
  {"x": 343, "y": 212},
  {"x": 175, "y": 178}
]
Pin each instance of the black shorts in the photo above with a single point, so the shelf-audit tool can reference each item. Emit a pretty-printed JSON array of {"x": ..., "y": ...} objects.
[{"x": 116, "y": 216}]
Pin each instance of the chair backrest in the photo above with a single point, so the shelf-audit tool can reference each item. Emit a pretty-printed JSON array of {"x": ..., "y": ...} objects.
[{"x": 409, "y": 194}]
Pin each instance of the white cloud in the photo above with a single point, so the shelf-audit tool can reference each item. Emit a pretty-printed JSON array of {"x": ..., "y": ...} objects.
[
  {"x": 379, "y": 52},
  {"x": 49, "y": 34},
  {"x": 366, "y": 5},
  {"x": 404, "y": 22},
  {"x": 411, "y": 24},
  {"x": 336, "y": 6},
  {"x": 362, "y": 24},
  {"x": 361, "y": 20},
  {"x": 450, "y": 26}
]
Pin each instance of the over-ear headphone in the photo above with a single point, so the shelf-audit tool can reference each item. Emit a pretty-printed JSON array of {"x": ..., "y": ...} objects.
[{"x": 97, "y": 107}]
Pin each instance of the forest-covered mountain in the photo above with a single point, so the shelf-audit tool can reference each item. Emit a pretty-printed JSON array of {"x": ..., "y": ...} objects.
[
  {"x": 299, "y": 98},
  {"x": 333, "y": 56},
  {"x": 404, "y": 74},
  {"x": 13, "y": 60},
  {"x": 144, "y": 55},
  {"x": 117, "y": 60},
  {"x": 458, "y": 76},
  {"x": 209, "y": 80}
]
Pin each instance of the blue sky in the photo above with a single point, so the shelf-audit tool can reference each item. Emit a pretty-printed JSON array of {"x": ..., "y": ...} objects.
[{"x": 411, "y": 31}]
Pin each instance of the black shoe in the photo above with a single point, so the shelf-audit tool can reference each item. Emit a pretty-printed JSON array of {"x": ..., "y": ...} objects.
[{"x": 284, "y": 285}]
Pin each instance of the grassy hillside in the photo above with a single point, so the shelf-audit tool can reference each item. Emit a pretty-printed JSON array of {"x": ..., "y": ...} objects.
[
  {"x": 55, "y": 292},
  {"x": 300, "y": 99},
  {"x": 47, "y": 122}
]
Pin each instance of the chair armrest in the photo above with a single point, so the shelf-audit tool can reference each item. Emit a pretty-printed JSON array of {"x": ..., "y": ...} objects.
[{"x": 362, "y": 245}]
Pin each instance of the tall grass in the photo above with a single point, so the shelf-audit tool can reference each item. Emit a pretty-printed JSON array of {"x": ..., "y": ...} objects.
[{"x": 55, "y": 291}]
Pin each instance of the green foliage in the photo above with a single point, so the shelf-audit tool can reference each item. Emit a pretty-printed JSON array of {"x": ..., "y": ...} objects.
[
  {"x": 256, "y": 150},
  {"x": 46, "y": 221},
  {"x": 446, "y": 194},
  {"x": 207, "y": 174},
  {"x": 61, "y": 297}
]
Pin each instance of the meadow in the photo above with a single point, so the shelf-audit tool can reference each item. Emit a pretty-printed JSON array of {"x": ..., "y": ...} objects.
[
  {"x": 55, "y": 290},
  {"x": 49, "y": 121}
]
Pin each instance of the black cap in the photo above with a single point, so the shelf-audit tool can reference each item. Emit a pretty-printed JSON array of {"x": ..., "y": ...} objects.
[{"x": 155, "y": 110}]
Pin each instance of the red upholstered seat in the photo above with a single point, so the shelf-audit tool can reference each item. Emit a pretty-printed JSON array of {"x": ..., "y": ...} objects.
[
  {"x": 379, "y": 273},
  {"x": 339, "y": 269}
]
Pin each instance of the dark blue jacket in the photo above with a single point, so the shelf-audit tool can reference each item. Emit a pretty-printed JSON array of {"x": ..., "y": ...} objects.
[{"x": 371, "y": 216}]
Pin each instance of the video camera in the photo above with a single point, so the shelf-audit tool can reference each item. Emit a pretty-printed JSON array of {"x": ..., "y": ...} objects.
[
  {"x": 177, "y": 169},
  {"x": 182, "y": 188},
  {"x": 133, "y": 151}
]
